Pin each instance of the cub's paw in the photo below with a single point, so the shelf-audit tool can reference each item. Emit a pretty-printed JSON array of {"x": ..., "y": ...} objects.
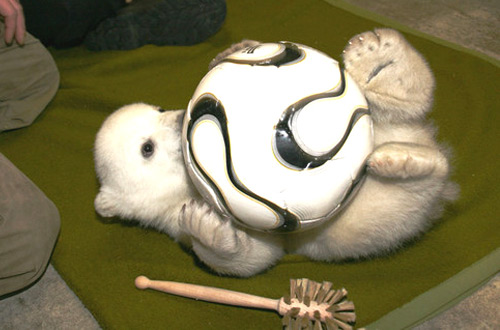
[
  {"x": 404, "y": 160},
  {"x": 394, "y": 77},
  {"x": 368, "y": 54},
  {"x": 234, "y": 48},
  {"x": 206, "y": 227},
  {"x": 106, "y": 204}
]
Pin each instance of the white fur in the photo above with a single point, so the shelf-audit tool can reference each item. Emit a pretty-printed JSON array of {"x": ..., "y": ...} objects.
[
  {"x": 132, "y": 187},
  {"x": 405, "y": 189}
]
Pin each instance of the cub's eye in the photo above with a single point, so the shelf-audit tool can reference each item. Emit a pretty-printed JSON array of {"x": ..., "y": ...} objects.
[
  {"x": 161, "y": 110},
  {"x": 147, "y": 149}
]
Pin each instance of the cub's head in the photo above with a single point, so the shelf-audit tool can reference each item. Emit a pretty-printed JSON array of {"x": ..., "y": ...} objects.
[{"x": 139, "y": 163}]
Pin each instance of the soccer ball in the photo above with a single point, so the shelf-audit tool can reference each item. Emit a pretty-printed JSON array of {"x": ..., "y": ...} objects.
[{"x": 276, "y": 137}]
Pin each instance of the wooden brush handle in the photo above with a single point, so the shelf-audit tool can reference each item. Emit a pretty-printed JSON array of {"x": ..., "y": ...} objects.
[{"x": 206, "y": 293}]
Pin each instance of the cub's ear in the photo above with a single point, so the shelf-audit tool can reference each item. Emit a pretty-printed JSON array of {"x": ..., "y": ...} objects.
[{"x": 106, "y": 203}]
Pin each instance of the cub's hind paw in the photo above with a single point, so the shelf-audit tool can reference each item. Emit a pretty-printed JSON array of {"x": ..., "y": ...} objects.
[
  {"x": 368, "y": 53},
  {"x": 394, "y": 77}
]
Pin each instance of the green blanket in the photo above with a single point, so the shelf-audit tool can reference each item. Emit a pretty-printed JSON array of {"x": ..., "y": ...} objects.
[{"x": 100, "y": 259}]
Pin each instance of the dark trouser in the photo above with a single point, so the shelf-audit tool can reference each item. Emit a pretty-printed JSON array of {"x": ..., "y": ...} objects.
[
  {"x": 29, "y": 226},
  {"x": 65, "y": 23}
]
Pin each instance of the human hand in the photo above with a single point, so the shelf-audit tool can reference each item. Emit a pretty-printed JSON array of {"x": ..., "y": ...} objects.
[{"x": 12, "y": 13}]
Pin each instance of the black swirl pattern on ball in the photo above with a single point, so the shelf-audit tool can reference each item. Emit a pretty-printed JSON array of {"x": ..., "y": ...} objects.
[
  {"x": 209, "y": 107},
  {"x": 286, "y": 144}
]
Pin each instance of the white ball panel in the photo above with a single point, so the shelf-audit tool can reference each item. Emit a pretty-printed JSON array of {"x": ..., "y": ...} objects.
[{"x": 254, "y": 98}]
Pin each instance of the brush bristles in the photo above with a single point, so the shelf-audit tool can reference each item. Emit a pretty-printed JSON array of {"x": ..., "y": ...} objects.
[{"x": 312, "y": 305}]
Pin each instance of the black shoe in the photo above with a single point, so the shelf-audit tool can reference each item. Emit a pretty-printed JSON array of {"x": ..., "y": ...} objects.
[{"x": 159, "y": 22}]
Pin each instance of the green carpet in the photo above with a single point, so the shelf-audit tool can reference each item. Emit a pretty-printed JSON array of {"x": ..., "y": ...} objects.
[{"x": 99, "y": 260}]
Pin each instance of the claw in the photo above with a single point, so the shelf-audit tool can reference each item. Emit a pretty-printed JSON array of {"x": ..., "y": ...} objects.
[{"x": 210, "y": 211}]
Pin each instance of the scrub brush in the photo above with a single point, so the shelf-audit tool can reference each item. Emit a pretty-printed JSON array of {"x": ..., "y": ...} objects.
[{"x": 310, "y": 305}]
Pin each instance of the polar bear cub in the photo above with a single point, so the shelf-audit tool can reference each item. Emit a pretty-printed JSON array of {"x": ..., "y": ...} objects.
[{"x": 140, "y": 166}]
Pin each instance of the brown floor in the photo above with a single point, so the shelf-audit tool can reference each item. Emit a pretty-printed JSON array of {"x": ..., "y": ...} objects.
[{"x": 474, "y": 24}]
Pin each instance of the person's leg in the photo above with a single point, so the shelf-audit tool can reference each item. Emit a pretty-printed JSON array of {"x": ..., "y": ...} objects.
[
  {"x": 65, "y": 23},
  {"x": 29, "y": 79},
  {"x": 29, "y": 226},
  {"x": 45, "y": 19},
  {"x": 159, "y": 22}
]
